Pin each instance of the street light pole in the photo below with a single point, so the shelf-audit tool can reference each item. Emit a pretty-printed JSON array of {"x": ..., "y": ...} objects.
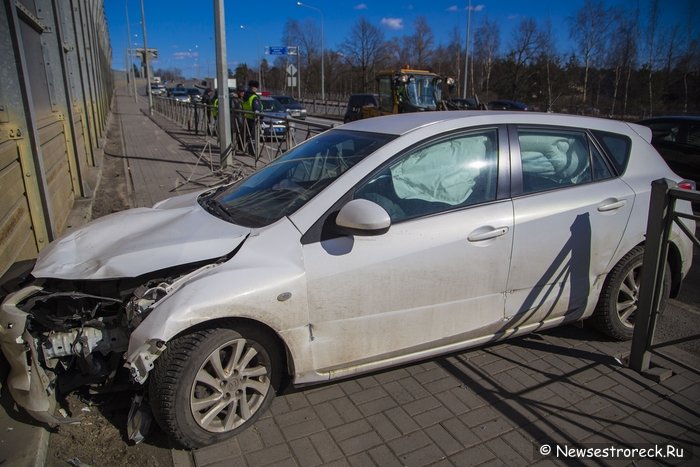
[
  {"x": 132, "y": 75},
  {"x": 323, "y": 74},
  {"x": 223, "y": 115},
  {"x": 145, "y": 57},
  {"x": 466, "y": 55}
]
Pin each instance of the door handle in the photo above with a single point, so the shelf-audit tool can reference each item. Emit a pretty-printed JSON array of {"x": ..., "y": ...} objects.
[
  {"x": 480, "y": 235},
  {"x": 611, "y": 205}
]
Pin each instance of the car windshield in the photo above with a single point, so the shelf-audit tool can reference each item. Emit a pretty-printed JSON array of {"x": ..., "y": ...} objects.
[
  {"x": 285, "y": 185},
  {"x": 285, "y": 100},
  {"x": 422, "y": 91},
  {"x": 271, "y": 105}
]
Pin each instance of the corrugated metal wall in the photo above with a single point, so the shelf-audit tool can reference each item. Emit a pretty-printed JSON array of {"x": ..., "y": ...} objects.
[{"x": 55, "y": 96}]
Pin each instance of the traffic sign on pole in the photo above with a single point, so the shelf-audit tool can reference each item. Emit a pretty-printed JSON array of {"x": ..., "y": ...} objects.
[{"x": 276, "y": 50}]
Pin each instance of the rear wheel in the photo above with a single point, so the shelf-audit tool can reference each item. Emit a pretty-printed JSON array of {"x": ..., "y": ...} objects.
[
  {"x": 617, "y": 306},
  {"x": 211, "y": 384}
]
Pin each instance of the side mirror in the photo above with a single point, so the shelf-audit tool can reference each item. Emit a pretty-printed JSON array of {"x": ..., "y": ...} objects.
[{"x": 363, "y": 217}]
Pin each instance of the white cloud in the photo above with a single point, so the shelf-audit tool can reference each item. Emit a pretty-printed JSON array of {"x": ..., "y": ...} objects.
[
  {"x": 455, "y": 8},
  {"x": 185, "y": 55},
  {"x": 392, "y": 23},
  {"x": 360, "y": 6}
]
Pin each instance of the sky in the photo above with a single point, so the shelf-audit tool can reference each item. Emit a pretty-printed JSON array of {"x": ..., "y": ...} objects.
[{"x": 183, "y": 31}]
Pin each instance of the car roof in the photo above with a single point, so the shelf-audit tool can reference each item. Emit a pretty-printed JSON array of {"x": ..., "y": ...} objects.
[{"x": 405, "y": 123}]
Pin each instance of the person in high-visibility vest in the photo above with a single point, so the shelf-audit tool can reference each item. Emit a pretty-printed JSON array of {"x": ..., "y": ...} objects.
[
  {"x": 237, "y": 119},
  {"x": 251, "y": 105}
]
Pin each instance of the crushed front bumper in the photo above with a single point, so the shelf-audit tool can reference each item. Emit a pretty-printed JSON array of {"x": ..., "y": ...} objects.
[{"x": 27, "y": 382}]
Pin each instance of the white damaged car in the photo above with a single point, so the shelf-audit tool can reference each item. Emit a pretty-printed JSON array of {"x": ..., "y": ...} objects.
[{"x": 377, "y": 243}]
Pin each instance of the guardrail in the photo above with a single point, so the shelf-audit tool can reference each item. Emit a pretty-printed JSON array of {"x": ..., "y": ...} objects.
[
  {"x": 662, "y": 216},
  {"x": 262, "y": 136},
  {"x": 328, "y": 109}
]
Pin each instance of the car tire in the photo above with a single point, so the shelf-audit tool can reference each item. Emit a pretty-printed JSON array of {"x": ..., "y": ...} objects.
[
  {"x": 200, "y": 395},
  {"x": 617, "y": 306}
]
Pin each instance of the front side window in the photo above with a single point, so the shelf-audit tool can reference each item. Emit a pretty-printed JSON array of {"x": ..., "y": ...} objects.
[
  {"x": 451, "y": 173},
  {"x": 282, "y": 187}
]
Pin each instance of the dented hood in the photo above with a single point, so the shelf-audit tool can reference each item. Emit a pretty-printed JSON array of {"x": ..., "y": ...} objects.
[{"x": 138, "y": 241}]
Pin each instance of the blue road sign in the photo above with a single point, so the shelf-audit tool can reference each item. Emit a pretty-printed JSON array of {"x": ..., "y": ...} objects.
[{"x": 277, "y": 50}]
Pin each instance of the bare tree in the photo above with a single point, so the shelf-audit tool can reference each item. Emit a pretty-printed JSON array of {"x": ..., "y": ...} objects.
[
  {"x": 547, "y": 57},
  {"x": 689, "y": 65},
  {"x": 398, "y": 53},
  {"x": 651, "y": 48},
  {"x": 621, "y": 53},
  {"x": 364, "y": 48},
  {"x": 446, "y": 58},
  {"x": 308, "y": 38},
  {"x": 422, "y": 43},
  {"x": 521, "y": 53},
  {"x": 588, "y": 28},
  {"x": 487, "y": 40}
]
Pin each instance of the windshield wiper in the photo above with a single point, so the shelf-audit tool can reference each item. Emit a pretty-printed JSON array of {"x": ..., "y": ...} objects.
[{"x": 215, "y": 207}]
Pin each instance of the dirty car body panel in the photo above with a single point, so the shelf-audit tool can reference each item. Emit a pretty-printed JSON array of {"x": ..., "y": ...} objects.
[{"x": 373, "y": 244}]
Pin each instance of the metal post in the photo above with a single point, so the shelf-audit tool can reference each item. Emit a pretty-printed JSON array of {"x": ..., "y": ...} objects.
[
  {"x": 466, "y": 55},
  {"x": 651, "y": 285},
  {"x": 224, "y": 115},
  {"x": 129, "y": 51},
  {"x": 145, "y": 58}
]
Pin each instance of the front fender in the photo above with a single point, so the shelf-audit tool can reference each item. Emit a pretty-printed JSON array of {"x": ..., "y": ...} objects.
[{"x": 265, "y": 282}]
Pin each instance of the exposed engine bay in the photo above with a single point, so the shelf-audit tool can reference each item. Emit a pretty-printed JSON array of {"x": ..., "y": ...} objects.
[{"x": 60, "y": 335}]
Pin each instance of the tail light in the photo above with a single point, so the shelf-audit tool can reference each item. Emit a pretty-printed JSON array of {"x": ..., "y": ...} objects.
[{"x": 686, "y": 185}]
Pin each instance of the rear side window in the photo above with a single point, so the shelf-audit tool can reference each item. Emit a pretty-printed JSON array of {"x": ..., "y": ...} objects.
[
  {"x": 553, "y": 159},
  {"x": 618, "y": 148}
]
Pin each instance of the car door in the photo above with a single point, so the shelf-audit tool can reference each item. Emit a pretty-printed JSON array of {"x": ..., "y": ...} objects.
[
  {"x": 437, "y": 276},
  {"x": 570, "y": 214}
]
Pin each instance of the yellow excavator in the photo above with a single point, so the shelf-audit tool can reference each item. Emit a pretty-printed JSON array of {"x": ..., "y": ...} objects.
[{"x": 407, "y": 90}]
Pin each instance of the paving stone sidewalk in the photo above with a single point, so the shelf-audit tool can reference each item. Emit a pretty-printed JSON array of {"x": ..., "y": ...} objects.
[{"x": 496, "y": 405}]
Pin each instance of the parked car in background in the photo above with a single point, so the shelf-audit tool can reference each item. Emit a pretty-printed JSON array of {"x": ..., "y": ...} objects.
[
  {"x": 274, "y": 121},
  {"x": 158, "y": 89},
  {"x": 195, "y": 94},
  {"x": 180, "y": 95},
  {"x": 507, "y": 105},
  {"x": 374, "y": 244},
  {"x": 677, "y": 138},
  {"x": 465, "y": 104},
  {"x": 355, "y": 104},
  {"x": 292, "y": 106}
]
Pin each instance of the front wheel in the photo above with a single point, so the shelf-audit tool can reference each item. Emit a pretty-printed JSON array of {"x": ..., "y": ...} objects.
[
  {"x": 211, "y": 384},
  {"x": 617, "y": 306}
]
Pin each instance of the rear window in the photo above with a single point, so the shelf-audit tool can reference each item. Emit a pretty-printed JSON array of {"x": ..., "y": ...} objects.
[
  {"x": 361, "y": 101},
  {"x": 617, "y": 147}
]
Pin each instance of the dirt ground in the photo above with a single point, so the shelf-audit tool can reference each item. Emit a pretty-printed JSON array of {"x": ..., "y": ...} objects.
[{"x": 100, "y": 438}]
